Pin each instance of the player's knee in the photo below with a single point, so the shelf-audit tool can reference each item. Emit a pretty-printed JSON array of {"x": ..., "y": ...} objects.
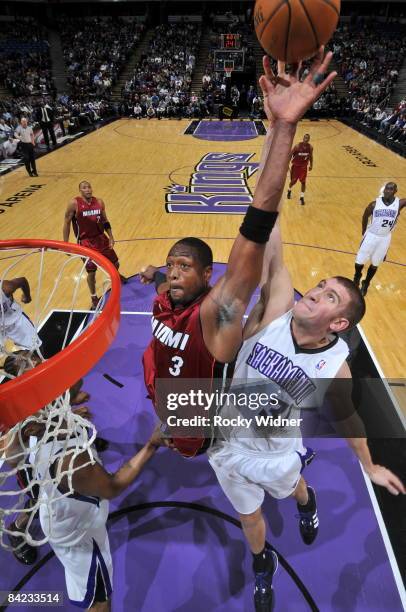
[{"x": 252, "y": 519}]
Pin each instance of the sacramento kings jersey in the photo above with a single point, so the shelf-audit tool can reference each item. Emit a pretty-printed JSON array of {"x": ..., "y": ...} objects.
[
  {"x": 383, "y": 217},
  {"x": 68, "y": 519},
  {"x": 87, "y": 222},
  {"x": 293, "y": 374}
]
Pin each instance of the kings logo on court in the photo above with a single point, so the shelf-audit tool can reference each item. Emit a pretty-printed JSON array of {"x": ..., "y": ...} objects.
[{"x": 219, "y": 185}]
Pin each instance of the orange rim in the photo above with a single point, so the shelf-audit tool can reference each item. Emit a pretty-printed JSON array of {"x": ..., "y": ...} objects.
[{"x": 22, "y": 396}]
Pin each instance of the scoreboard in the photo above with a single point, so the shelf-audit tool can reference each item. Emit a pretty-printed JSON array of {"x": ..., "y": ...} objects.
[{"x": 230, "y": 42}]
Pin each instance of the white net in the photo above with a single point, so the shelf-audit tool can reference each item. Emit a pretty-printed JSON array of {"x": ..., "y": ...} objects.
[{"x": 39, "y": 455}]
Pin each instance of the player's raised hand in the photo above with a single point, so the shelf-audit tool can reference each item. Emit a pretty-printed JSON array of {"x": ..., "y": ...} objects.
[
  {"x": 147, "y": 274},
  {"x": 385, "y": 478},
  {"x": 286, "y": 98}
]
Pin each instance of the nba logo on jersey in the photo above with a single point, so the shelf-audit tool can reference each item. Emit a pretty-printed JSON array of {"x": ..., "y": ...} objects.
[{"x": 321, "y": 364}]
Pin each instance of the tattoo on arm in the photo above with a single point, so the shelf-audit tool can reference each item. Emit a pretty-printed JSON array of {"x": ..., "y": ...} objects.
[{"x": 226, "y": 313}]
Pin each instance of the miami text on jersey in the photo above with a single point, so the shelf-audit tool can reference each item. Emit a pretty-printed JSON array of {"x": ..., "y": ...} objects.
[
  {"x": 167, "y": 336},
  {"x": 89, "y": 213}
]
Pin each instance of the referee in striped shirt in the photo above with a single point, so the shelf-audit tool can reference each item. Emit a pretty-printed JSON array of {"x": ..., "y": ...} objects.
[{"x": 26, "y": 136}]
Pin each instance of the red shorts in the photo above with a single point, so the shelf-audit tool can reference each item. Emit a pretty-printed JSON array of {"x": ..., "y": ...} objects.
[
  {"x": 101, "y": 244},
  {"x": 298, "y": 173}
]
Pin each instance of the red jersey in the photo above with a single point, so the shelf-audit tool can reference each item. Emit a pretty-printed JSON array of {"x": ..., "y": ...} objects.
[
  {"x": 178, "y": 351},
  {"x": 301, "y": 154},
  {"x": 87, "y": 222}
]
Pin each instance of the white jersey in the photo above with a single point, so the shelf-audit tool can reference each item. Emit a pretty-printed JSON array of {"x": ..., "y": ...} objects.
[
  {"x": 67, "y": 519},
  {"x": 384, "y": 217},
  {"x": 10, "y": 311},
  {"x": 14, "y": 324},
  {"x": 299, "y": 376}
]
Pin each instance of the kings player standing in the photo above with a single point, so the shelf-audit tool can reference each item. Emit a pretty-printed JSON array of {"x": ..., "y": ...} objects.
[{"x": 301, "y": 157}]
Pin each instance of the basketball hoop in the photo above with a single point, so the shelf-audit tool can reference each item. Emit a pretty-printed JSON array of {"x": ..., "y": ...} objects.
[
  {"x": 48, "y": 380},
  {"x": 228, "y": 68},
  {"x": 36, "y": 397}
]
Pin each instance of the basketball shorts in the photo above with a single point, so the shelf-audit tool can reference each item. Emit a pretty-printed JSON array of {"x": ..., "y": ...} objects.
[
  {"x": 88, "y": 568},
  {"x": 245, "y": 477},
  {"x": 298, "y": 173},
  {"x": 99, "y": 243},
  {"x": 373, "y": 248}
]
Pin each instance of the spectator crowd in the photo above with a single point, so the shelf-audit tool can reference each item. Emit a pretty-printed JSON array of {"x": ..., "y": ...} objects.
[
  {"x": 95, "y": 50},
  {"x": 367, "y": 55},
  {"x": 160, "y": 85}
]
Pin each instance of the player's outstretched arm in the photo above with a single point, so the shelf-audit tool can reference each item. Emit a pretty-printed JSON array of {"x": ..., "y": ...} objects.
[
  {"x": 69, "y": 214},
  {"x": 349, "y": 425},
  {"x": 287, "y": 99},
  {"x": 277, "y": 294},
  {"x": 96, "y": 481}
]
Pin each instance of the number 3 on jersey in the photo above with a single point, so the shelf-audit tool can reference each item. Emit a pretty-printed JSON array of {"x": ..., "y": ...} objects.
[{"x": 177, "y": 364}]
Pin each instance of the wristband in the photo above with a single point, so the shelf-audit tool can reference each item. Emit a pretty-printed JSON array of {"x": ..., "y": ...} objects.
[{"x": 258, "y": 224}]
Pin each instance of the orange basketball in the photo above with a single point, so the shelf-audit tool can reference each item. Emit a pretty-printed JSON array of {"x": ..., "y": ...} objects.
[{"x": 293, "y": 30}]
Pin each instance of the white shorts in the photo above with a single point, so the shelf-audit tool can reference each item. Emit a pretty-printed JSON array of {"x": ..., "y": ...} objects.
[
  {"x": 246, "y": 477},
  {"x": 22, "y": 333},
  {"x": 373, "y": 247},
  {"x": 83, "y": 562}
]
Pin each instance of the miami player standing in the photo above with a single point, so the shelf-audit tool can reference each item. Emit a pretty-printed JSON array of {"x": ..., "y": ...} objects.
[
  {"x": 90, "y": 225},
  {"x": 301, "y": 157}
]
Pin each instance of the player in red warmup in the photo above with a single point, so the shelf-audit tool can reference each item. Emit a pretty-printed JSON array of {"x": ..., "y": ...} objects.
[
  {"x": 90, "y": 225},
  {"x": 301, "y": 157}
]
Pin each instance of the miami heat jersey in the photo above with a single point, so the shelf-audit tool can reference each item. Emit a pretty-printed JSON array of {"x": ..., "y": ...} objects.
[
  {"x": 301, "y": 154},
  {"x": 384, "y": 217},
  {"x": 177, "y": 350},
  {"x": 87, "y": 222}
]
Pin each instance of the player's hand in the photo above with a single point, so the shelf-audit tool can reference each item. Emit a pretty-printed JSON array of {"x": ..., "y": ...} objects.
[
  {"x": 147, "y": 274},
  {"x": 286, "y": 98},
  {"x": 385, "y": 478},
  {"x": 111, "y": 243},
  {"x": 158, "y": 437},
  {"x": 26, "y": 299},
  {"x": 83, "y": 411}
]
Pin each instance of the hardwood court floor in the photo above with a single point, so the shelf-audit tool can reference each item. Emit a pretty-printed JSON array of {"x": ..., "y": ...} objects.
[{"x": 130, "y": 163}]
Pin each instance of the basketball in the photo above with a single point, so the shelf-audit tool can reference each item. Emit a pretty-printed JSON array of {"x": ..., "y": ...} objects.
[{"x": 293, "y": 30}]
